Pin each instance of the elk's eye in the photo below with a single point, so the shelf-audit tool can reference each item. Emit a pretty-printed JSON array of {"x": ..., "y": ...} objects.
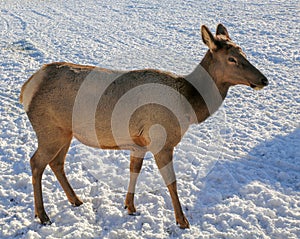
[{"x": 231, "y": 59}]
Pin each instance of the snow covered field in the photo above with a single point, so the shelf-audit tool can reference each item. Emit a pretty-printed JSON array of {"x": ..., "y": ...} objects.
[{"x": 238, "y": 173}]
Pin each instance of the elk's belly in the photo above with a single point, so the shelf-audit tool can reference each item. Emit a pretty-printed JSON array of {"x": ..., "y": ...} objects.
[{"x": 110, "y": 139}]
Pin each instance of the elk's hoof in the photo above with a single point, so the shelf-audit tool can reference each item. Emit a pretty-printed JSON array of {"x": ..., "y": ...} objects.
[
  {"x": 131, "y": 210},
  {"x": 77, "y": 203},
  {"x": 47, "y": 223},
  {"x": 134, "y": 214},
  {"x": 184, "y": 223},
  {"x": 44, "y": 219}
]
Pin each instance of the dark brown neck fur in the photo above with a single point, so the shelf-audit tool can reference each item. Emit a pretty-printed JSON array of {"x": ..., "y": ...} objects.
[
  {"x": 207, "y": 89},
  {"x": 207, "y": 64}
]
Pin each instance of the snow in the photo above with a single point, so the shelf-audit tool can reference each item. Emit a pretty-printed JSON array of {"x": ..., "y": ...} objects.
[{"x": 238, "y": 173}]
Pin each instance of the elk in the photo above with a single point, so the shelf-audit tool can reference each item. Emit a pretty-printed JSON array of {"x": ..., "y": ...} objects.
[{"x": 60, "y": 105}]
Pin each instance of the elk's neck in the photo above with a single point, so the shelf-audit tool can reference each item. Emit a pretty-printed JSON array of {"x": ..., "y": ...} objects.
[
  {"x": 208, "y": 64},
  {"x": 207, "y": 61},
  {"x": 208, "y": 95}
]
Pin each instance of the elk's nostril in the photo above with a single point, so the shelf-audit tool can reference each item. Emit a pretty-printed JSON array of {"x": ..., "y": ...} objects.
[{"x": 264, "y": 81}]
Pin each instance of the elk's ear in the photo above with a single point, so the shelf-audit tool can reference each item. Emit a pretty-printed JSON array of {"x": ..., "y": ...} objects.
[
  {"x": 208, "y": 38},
  {"x": 221, "y": 30}
]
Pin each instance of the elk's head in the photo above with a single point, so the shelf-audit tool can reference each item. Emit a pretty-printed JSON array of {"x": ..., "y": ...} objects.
[{"x": 228, "y": 63}]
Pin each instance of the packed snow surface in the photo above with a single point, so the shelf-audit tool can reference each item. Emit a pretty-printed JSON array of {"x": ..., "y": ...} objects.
[{"x": 238, "y": 172}]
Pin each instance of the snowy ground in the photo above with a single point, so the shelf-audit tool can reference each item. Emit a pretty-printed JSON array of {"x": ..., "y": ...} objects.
[{"x": 238, "y": 173}]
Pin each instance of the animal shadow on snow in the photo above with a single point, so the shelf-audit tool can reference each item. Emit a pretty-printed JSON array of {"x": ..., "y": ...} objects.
[{"x": 272, "y": 164}]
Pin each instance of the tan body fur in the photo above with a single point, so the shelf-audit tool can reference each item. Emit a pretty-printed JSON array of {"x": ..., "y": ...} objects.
[{"x": 51, "y": 95}]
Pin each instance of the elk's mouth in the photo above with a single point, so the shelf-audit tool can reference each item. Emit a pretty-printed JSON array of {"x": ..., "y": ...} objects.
[
  {"x": 256, "y": 87},
  {"x": 262, "y": 83}
]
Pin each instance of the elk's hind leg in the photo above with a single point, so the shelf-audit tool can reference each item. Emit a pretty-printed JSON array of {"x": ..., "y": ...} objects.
[
  {"x": 37, "y": 168},
  {"x": 57, "y": 166},
  {"x": 136, "y": 162},
  {"x": 46, "y": 152}
]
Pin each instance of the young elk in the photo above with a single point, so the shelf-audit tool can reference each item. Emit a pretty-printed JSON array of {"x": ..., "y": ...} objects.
[{"x": 140, "y": 111}]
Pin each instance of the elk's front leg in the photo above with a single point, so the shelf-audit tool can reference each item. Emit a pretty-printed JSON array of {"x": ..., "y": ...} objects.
[
  {"x": 136, "y": 162},
  {"x": 165, "y": 165}
]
